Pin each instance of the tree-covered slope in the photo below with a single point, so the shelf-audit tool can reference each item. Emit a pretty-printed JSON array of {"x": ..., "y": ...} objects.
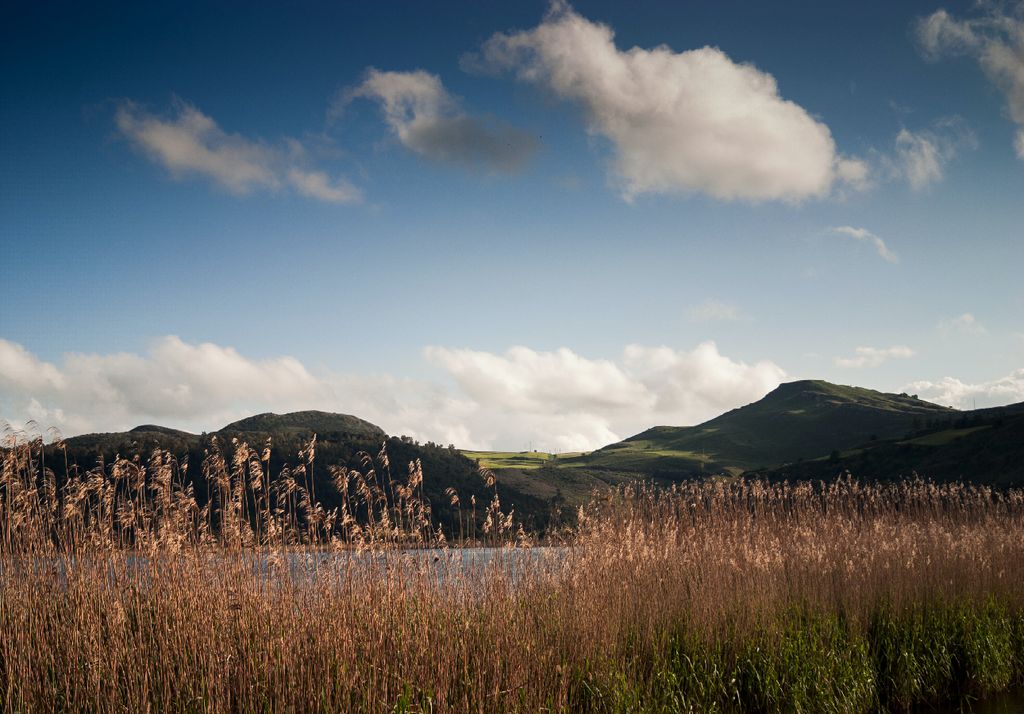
[
  {"x": 342, "y": 440},
  {"x": 326, "y": 424}
]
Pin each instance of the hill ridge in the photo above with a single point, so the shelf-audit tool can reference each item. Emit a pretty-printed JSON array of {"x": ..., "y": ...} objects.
[
  {"x": 796, "y": 420},
  {"x": 312, "y": 420}
]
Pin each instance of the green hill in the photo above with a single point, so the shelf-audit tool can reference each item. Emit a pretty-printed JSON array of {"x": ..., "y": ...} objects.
[
  {"x": 321, "y": 423},
  {"x": 798, "y": 420},
  {"x": 983, "y": 446}
]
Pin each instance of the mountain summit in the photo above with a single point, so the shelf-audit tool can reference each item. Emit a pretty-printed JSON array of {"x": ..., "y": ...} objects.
[{"x": 307, "y": 422}]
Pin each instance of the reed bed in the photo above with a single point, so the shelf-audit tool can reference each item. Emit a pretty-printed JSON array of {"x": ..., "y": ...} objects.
[{"x": 122, "y": 589}]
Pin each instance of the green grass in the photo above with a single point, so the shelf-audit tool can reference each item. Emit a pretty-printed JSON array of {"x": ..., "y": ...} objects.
[
  {"x": 927, "y": 654},
  {"x": 941, "y": 438},
  {"x": 649, "y": 455},
  {"x": 518, "y": 459}
]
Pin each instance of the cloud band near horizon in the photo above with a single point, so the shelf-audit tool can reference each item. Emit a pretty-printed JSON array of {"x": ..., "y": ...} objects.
[{"x": 559, "y": 400}]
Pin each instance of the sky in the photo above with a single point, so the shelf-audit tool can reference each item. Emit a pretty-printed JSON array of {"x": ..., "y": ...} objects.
[{"x": 504, "y": 225}]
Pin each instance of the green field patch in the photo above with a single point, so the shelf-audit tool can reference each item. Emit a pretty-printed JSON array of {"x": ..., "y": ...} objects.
[
  {"x": 519, "y": 459},
  {"x": 644, "y": 455},
  {"x": 941, "y": 438}
]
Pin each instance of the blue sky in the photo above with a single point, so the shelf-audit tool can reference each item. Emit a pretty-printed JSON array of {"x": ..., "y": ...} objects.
[{"x": 498, "y": 224}]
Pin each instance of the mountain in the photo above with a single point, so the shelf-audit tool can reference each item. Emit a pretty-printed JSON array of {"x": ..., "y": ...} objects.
[
  {"x": 798, "y": 420},
  {"x": 324, "y": 424}
]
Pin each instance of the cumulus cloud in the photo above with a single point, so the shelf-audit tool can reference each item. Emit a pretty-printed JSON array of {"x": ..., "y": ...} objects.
[
  {"x": 189, "y": 142},
  {"x": 175, "y": 381},
  {"x": 525, "y": 380},
  {"x": 582, "y": 398},
  {"x": 19, "y": 368},
  {"x": 873, "y": 356},
  {"x": 678, "y": 122},
  {"x": 953, "y": 392},
  {"x": 710, "y": 310},
  {"x": 201, "y": 387},
  {"x": 559, "y": 400},
  {"x": 429, "y": 121},
  {"x": 966, "y": 324},
  {"x": 995, "y": 40},
  {"x": 695, "y": 385},
  {"x": 863, "y": 234}
]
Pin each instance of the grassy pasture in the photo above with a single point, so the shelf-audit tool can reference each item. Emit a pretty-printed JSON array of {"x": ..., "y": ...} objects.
[
  {"x": 941, "y": 438},
  {"x": 496, "y": 460},
  {"x": 653, "y": 456}
]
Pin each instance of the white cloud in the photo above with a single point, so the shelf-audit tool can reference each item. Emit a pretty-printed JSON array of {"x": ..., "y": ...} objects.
[
  {"x": 191, "y": 143},
  {"x": 963, "y": 395},
  {"x": 965, "y": 324},
  {"x": 690, "y": 387},
  {"x": 862, "y": 234},
  {"x": 584, "y": 403},
  {"x": 711, "y": 310},
  {"x": 177, "y": 381},
  {"x": 557, "y": 400},
  {"x": 921, "y": 156},
  {"x": 428, "y": 120},
  {"x": 995, "y": 40},
  {"x": 679, "y": 122},
  {"x": 528, "y": 381},
  {"x": 873, "y": 356},
  {"x": 318, "y": 185},
  {"x": 204, "y": 386},
  {"x": 19, "y": 368}
]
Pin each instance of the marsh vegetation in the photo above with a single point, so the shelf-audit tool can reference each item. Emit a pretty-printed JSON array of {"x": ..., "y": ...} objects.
[{"x": 120, "y": 589}]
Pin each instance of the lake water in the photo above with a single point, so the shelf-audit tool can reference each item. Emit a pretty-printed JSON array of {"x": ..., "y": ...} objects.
[{"x": 300, "y": 566}]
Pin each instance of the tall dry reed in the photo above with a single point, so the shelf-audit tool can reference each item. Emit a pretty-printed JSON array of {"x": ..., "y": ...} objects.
[{"x": 119, "y": 591}]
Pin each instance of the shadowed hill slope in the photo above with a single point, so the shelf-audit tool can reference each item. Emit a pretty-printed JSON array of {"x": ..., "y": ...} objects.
[
  {"x": 342, "y": 440},
  {"x": 798, "y": 420},
  {"x": 983, "y": 446}
]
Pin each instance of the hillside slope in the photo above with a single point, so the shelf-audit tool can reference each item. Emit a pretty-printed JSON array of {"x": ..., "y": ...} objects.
[
  {"x": 985, "y": 446},
  {"x": 798, "y": 420}
]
